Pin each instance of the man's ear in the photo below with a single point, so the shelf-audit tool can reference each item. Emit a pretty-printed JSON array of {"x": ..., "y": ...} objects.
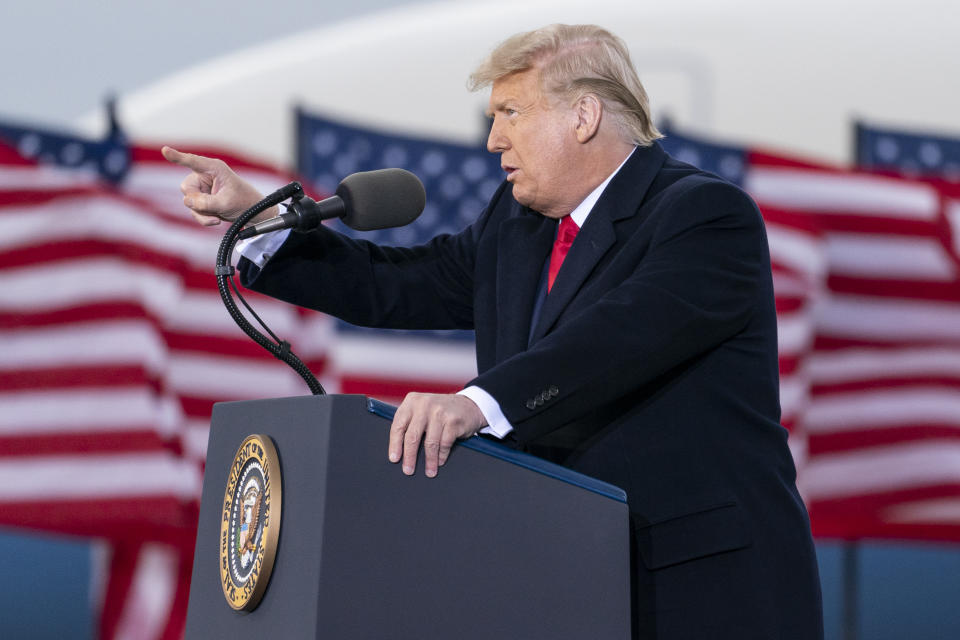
[{"x": 589, "y": 111}]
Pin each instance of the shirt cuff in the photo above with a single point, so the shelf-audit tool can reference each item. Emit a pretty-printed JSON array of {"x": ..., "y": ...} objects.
[
  {"x": 259, "y": 249},
  {"x": 497, "y": 423}
]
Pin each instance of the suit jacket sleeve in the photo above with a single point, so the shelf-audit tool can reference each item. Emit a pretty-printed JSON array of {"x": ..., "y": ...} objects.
[{"x": 424, "y": 287}]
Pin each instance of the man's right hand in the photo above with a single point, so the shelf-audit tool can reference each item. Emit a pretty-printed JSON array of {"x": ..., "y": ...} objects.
[{"x": 213, "y": 192}]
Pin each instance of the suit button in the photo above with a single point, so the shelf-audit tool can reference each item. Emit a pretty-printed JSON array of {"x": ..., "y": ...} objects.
[
  {"x": 531, "y": 404},
  {"x": 553, "y": 391},
  {"x": 539, "y": 401}
]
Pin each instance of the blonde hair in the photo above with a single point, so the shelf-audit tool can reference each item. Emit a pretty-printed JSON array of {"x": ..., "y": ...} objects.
[{"x": 576, "y": 60}]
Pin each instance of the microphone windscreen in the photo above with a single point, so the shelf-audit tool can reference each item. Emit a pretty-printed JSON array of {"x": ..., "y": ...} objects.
[{"x": 381, "y": 199}]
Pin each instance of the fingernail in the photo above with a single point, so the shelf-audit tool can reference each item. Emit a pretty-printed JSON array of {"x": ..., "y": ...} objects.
[
  {"x": 431, "y": 474},
  {"x": 394, "y": 457},
  {"x": 408, "y": 470},
  {"x": 188, "y": 202}
]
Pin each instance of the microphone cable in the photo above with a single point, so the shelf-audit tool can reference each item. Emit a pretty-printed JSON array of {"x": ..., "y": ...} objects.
[{"x": 280, "y": 349}]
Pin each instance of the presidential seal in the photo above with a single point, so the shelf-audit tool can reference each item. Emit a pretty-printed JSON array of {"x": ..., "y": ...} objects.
[{"x": 250, "y": 523}]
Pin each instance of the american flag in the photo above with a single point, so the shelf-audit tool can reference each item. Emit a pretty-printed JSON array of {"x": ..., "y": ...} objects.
[
  {"x": 868, "y": 298},
  {"x": 459, "y": 180},
  {"x": 113, "y": 347},
  {"x": 114, "y": 343},
  {"x": 907, "y": 153},
  {"x": 865, "y": 275}
]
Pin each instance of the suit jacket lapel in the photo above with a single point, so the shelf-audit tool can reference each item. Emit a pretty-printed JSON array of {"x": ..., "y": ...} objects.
[
  {"x": 523, "y": 245},
  {"x": 593, "y": 241},
  {"x": 621, "y": 199}
]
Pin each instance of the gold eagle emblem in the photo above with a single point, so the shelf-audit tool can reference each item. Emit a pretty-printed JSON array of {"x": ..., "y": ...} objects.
[{"x": 246, "y": 542}]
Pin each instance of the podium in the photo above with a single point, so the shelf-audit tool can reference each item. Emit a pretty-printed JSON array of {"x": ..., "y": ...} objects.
[{"x": 499, "y": 545}]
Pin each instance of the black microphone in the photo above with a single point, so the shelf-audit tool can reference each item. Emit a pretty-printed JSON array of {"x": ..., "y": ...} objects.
[{"x": 367, "y": 200}]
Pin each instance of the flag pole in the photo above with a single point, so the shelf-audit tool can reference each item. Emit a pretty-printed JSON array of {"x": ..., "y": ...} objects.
[{"x": 851, "y": 589}]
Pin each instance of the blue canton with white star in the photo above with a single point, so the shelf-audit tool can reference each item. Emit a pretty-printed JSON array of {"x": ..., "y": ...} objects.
[
  {"x": 459, "y": 179},
  {"x": 909, "y": 153},
  {"x": 727, "y": 161},
  {"x": 108, "y": 158}
]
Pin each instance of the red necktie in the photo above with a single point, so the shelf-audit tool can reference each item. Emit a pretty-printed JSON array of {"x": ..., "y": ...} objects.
[{"x": 561, "y": 245}]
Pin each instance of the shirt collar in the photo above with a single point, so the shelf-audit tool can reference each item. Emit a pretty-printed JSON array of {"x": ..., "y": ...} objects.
[{"x": 579, "y": 215}]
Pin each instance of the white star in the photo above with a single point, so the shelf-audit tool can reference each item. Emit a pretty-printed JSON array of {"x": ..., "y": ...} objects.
[
  {"x": 71, "y": 153},
  {"x": 930, "y": 154},
  {"x": 731, "y": 167},
  {"x": 474, "y": 168},
  {"x": 115, "y": 162},
  {"x": 434, "y": 162},
  {"x": 29, "y": 145},
  {"x": 395, "y": 156},
  {"x": 345, "y": 164},
  {"x": 887, "y": 149},
  {"x": 324, "y": 142},
  {"x": 688, "y": 154},
  {"x": 451, "y": 187}
]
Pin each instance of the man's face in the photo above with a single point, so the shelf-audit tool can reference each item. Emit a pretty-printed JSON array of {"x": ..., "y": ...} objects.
[{"x": 536, "y": 140}]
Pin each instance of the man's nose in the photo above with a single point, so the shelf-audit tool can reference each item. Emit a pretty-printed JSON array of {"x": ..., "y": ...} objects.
[{"x": 496, "y": 142}]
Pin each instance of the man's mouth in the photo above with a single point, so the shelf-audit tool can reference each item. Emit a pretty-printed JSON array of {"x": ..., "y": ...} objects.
[{"x": 509, "y": 170}]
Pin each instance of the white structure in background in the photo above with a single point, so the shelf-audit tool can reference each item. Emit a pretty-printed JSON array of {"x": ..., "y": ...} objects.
[{"x": 788, "y": 75}]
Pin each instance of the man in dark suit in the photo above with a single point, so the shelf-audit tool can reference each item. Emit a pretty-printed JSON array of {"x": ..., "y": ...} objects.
[{"x": 623, "y": 309}]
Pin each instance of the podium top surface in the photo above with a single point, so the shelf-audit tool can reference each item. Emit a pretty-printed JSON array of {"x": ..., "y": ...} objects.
[{"x": 525, "y": 460}]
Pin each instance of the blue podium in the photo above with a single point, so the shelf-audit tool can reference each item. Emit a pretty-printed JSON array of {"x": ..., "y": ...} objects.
[{"x": 499, "y": 545}]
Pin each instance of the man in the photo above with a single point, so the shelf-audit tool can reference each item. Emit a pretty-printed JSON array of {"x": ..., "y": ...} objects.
[{"x": 645, "y": 357}]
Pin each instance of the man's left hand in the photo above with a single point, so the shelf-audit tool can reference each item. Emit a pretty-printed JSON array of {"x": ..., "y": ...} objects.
[{"x": 438, "y": 420}]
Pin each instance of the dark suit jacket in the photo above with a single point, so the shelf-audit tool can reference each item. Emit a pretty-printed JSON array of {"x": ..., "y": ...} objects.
[{"x": 652, "y": 366}]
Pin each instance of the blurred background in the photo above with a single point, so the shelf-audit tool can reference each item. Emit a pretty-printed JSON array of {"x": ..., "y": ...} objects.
[{"x": 840, "y": 118}]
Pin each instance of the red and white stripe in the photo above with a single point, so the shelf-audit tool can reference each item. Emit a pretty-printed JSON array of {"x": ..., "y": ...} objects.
[
  {"x": 114, "y": 345},
  {"x": 883, "y": 416}
]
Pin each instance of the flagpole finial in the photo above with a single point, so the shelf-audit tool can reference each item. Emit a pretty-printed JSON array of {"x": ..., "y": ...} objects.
[{"x": 114, "y": 130}]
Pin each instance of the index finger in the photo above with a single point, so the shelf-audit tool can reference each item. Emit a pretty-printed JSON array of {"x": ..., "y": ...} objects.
[
  {"x": 188, "y": 160},
  {"x": 398, "y": 429}
]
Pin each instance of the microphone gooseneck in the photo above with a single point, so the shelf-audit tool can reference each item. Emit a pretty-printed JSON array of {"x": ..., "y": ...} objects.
[
  {"x": 224, "y": 271},
  {"x": 365, "y": 201}
]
